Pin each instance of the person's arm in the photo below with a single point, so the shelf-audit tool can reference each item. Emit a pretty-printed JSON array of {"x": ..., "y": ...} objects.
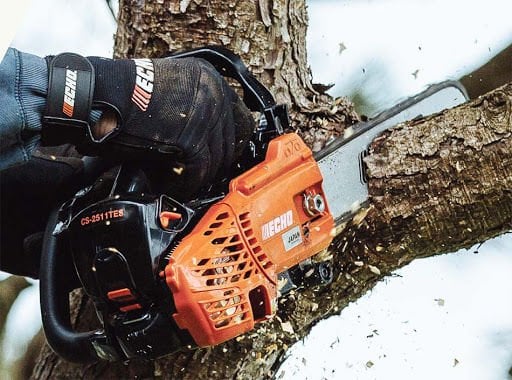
[{"x": 23, "y": 84}]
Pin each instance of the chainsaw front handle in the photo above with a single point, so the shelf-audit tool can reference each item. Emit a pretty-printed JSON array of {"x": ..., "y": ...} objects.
[
  {"x": 79, "y": 347},
  {"x": 256, "y": 96},
  {"x": 54, "y": 297}
]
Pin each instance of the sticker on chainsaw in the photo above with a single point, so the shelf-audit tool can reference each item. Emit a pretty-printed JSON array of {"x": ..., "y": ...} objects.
[
  {"x": 292, "y": 238},
  {"x": 276, "y": 225},
  {"x": 101, "y": 216}
]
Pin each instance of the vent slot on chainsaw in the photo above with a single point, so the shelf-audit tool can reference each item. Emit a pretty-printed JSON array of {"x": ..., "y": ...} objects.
[
  {"x": 223, "y": 270},
  {"x": 259, "y": 254}
]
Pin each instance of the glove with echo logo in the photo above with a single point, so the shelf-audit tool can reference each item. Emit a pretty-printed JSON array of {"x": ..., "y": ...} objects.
[{"x": 176, "y": 114}]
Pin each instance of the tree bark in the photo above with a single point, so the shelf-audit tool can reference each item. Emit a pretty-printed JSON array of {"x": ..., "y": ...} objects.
[
  {"x": 436, "y": 184},
  {"x": 269, "y": 35},
  {"x": 10, "y": 289}
]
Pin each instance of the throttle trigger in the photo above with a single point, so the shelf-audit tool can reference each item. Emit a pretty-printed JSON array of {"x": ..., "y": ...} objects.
[{"x": 166, "y": 217}]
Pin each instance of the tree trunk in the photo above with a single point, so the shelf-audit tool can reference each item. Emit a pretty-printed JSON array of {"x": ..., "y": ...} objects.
[
  {"x": 269, "y": 35},
  {"x": 436, "y": 184}
]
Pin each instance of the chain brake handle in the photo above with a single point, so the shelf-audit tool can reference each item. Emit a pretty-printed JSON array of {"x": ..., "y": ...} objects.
[{"x": 256, "y": 96}]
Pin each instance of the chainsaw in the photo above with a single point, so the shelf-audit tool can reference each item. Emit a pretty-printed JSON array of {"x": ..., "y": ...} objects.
[{"x": 165, "y": 274}]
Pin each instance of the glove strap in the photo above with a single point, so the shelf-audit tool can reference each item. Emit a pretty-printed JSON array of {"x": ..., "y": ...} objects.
[{"x": 69, "y": 100}]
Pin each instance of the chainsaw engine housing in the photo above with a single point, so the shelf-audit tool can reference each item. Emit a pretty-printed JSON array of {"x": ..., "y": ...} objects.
[{"x": 223, "y": 274}]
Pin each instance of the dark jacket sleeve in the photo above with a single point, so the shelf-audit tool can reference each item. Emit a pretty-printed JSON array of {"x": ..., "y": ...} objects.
[{"x": 23, "y": 86}]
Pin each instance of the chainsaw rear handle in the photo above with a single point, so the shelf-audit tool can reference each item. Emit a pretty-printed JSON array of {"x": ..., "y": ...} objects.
[
  {"x": 62, "y": 338},
  {"x": 256, "y": 96}
]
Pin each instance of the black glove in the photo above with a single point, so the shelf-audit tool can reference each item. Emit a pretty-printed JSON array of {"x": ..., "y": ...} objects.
[
  {"x": 178, "y": 114},
  {"x": 29, "y": 193}
]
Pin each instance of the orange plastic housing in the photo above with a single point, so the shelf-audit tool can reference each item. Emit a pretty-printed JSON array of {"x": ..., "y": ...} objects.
[{"x": 223, "y": 275}]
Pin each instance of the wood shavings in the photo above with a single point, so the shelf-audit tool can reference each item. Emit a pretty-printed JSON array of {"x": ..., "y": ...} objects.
[
  {"x": 348, "y": 132},
  {"x": 273, "y": 347},
  {"x": 287, "y": 327},
  {"x": 264, "y": 11},
  {"x": 324, "y": 255},
  {"x": 184, "y": 5},
  {"x": 338, "y": 229},
  {"x": 178, "y": 170},
  {"x": 281, "y": 283},
  {"x": 355, "y": 206},
  {"x": 341, "y": 47},
  {"x": 309, "y": 273},
  {"x": 359, "y": 217}
]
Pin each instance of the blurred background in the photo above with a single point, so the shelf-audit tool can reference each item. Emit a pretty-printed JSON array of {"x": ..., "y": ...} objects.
[{"x": 448, "y": 316}]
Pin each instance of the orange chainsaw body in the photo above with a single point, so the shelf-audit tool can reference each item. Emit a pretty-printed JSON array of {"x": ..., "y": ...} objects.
[{"x": 223, "y": 275}]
